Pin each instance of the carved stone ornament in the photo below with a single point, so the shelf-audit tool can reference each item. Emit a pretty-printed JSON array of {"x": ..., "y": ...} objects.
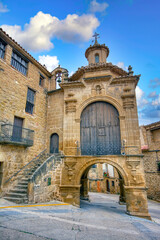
[
  {"x": 69, "y": 165},
  {"x": 133, "y": 165},
  {"x": 128, "y": 98},
  {"x": 70, "y": 105}
]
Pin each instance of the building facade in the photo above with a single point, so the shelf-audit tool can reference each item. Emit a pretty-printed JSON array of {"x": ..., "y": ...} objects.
[
  {"x": 103, "y": 178},
  {"x": 91, "y": 119},
  {"x": 150, "y": 144}
]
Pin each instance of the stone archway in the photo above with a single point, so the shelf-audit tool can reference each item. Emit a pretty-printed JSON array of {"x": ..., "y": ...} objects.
[
  {"x": 84, "y": 178},
  {"x": 129, "y": 167}
]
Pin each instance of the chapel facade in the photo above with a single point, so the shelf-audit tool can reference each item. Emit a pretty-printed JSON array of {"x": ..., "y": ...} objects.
[{"x": 50, "y": 137}]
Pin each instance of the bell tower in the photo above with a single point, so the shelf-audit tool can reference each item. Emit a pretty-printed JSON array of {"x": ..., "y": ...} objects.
[{"x": 97, "y": 53}]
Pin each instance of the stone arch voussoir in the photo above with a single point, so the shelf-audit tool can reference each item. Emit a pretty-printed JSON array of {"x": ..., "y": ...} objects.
[
  {"x": 91, "y": 162},
  {"x": 107, "y": 99}
]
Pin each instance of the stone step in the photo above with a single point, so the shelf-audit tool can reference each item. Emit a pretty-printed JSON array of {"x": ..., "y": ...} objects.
[
  {"x": 18, "y": 190},
  {"x": 23, "y": 183},
  {"x": 20, "y": 186},
  {"x": 16, "y": 195},
  {"x": 16, "y": 200}
]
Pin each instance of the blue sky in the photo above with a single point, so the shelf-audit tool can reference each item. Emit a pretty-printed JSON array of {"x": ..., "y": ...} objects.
[{"x": 58, "y": 32}]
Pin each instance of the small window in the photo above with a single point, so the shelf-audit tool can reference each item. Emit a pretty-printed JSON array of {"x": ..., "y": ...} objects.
[
  {"x": 112, "y": 183},
  {"x": 97, "y": 58},
  {"x": 30, "y": 101},
  {"x": 2, "y": 48},
  {"x": 41, "y": 80},
  {"x": 19, "y": 62}
]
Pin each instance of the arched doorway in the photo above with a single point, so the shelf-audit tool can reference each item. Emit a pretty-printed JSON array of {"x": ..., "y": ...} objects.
[
  {"x": 84, "y": 182},
  {"x": 54, "y": 143},
  {"x": 107, "y": 186},
  {"x": 100, "y": 130}
]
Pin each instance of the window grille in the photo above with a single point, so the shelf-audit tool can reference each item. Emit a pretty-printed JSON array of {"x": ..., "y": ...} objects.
[
  {"x": 30, "y": 101},
  {"x": 2, "y": 48},
  {"x": 19, "y": 63}
]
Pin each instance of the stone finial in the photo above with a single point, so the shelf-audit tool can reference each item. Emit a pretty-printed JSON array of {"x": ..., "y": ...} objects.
[{"x": 130, "y": 72}]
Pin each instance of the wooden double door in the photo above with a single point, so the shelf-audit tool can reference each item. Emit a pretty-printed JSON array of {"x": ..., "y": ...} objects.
[{"x": 100, "y": 130}]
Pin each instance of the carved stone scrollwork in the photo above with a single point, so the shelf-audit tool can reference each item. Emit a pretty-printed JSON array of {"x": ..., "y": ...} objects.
[
  {"x": 128, "y": 98},
  {"x": 70, "y": 105},
  {"x": 69, "y": 165},
  {"x": 133, "y": 165}
]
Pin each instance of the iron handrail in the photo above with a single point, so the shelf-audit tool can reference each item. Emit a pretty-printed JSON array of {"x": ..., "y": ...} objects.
[{"x": 15, "y": 174}]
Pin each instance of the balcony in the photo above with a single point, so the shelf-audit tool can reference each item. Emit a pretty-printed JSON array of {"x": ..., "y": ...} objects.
[{"x": 14, "y": 135}]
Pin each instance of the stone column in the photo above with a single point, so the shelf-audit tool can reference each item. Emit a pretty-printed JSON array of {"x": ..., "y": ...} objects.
[
  {"x": 122, "y": 197},
  {"x": 70, "y": 194},
  {"x": 84, "y": 189},
  {"x": 136, "y": 202}
]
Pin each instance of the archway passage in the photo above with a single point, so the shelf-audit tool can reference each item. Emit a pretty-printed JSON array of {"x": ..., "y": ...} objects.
[
  {"x": 100, "y": 130},
  {"x": 100, "y": 183},
  {"x": 54, "y": 143}
]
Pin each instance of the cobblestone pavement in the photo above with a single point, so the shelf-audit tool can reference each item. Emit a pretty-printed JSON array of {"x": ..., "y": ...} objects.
[{"x": 100, "y": 219}]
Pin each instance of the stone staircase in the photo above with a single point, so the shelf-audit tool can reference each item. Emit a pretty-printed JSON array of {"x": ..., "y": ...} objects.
[{"x": 19, "y": 192}]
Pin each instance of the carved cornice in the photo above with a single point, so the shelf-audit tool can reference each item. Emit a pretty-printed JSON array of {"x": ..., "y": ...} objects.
[
  {"x": 106, "y": 77},
  {"x": 153, "y": 126},
  {"x": 97, "y": 67},
  {"x": 126, "y": 79},
  {"x": 76, "y": 84}
]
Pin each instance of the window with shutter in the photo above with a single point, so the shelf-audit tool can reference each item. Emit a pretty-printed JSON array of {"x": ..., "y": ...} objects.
[
  {"x": 30, "y": 101},
  {"x": 2, "y": 48},
  {"x": 19, "y": 62}
]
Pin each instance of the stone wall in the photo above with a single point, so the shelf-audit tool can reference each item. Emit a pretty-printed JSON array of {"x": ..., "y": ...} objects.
[
  {"x": 150, "y": 139},
  {"x": 13, "y": 93},
  {"x": 55, "y": 115},
  {"x": 42, "y": 184}
]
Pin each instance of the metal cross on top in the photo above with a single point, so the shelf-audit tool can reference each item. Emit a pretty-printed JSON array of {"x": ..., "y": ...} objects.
[{"x": 96, "y": 36}]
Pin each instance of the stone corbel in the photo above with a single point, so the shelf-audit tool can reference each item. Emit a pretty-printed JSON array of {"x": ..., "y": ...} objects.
[
  {"x": 69, "y": 165},
  {"x": 128, "y": 98},
  {"x": 133, "y": 165},
  {"x": 70, "y": 105}
]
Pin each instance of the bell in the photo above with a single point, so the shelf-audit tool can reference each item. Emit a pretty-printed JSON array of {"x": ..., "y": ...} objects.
[{"x": 59, "y": 80}]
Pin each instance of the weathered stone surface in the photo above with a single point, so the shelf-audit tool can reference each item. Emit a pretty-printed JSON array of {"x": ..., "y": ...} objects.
[{"x": 59, "y": 111}]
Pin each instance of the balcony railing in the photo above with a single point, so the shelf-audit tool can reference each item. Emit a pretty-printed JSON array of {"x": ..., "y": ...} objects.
[{"x": 12, "y": 134}]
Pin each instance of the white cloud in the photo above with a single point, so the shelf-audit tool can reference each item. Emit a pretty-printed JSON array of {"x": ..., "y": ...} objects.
[
  {"x": 141, "y": 101},
  {"x": 153, "y": 95},
  {"x": 3, "y": 8},
  {"x": 72, "y": 72},
  {"x": 98, "y": 7},
  {"x": 121, "y": 65},
  {"x": 156, "y": 102},
  {"x": 51, "y": 62},
  {"x": 42, "y": 28}
]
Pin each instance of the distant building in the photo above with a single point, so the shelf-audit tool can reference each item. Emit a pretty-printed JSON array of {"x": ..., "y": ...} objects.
[
  {"x": 103, "y": 178},
  {"x": 150, "y": 145}
]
